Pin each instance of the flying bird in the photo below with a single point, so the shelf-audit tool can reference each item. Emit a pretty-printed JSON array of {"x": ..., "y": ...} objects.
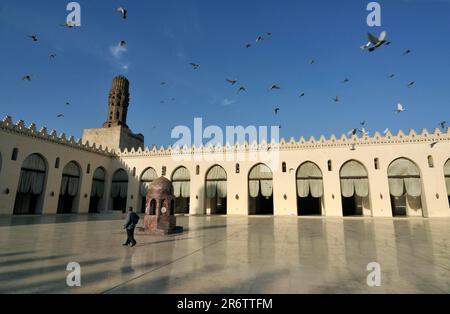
[
  {"x": 301, "y": 95},
  {"x": 346, "y": 80},
  {"x": 336, "y": 99},
  {"x": 363, "y": 123},
  {"x": 259, "y": 38},
  {"x": 374, "y": 42},
  {"x": 432, "y": 145},
  {"x": 33, "y": 37},
  {"x": 27, "y": 77},
  {"x": 60, "y": 116},
  {"x": 163, "y": 83},
  {"x": 275, "y": 87},
  {"x": 391, "y": 76},
  {"x": 411, "y": 84},
  {"x": 195, "y": 66},
  {"x": 400, "y": 108},
  {"x": 276, "y": 110},
  {"x": 242, "y": 89},
  {"x": 352, "y": 132},
  {"x": 124, "y": 12},
  {"x": 232, "y": 82},
  {"x": 443, "y": 124},
  {"x": 52, "y": 56},
  {"x": 407, "y": 52},
  {"x": 67, "y": 103},
  {"x": 68, "y": 24},
  {"x": 248, "y": 46},
  {"x": 122, "y": 43},
  {"x": 312, "y": 61}
]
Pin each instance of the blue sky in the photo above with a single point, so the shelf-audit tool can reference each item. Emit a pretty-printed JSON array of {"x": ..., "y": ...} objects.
[{"x": 165, "y": 36}]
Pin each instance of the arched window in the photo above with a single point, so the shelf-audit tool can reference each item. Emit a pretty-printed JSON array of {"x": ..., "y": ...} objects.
[
  {"x": 309, "y": 189},
  {"x": 430, "y": 161},
  {"x": 181, "y": 180},
  {"x": 97, "y": 190},
  {"x": 57, "y": 162},
  {"x": 197, "y": 170},
  {"x": 376, "y": 163},
  {"x": 284, "y": 167},
  {"x": 238, "y": 169},
  {"x": 119, "y": 190},
  {"x": 70, "y": 186},
  {"x": 15, "y": 154},
  {"x": 330, "y": 165}
]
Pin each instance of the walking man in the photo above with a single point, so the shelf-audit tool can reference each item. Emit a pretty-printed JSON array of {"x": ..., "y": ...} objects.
[{"x": 130, "y": 226}]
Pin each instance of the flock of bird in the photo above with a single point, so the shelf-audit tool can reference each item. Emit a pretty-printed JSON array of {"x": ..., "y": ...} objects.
[{"x": 373, "y": 44}]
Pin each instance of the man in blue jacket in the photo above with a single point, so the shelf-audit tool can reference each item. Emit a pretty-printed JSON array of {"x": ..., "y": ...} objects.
[{"x": 130, "y": 226}]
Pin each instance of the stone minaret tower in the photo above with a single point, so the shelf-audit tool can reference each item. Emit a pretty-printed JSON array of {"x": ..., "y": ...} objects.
[{"x": 118, "y": 102}]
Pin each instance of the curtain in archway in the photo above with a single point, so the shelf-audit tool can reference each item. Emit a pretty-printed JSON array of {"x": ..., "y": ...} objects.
[
  {"x": 146, "y": 179},
  {"x": 32, "y": 175},
  {"x": 447, "y": 176},
  {"x": 260, "y": 181},
  {"x": 354, "y": 180},
  {"x": 309, "y": 180},
  {"x": 70, "y": 180},
  {"x": 216, "y": 182},
  {"x": 404, "y": 177},
  {"x": 98, "y": 183},
  {"x": 181, "y": 180},
  {"x": 119, "y": 186}
]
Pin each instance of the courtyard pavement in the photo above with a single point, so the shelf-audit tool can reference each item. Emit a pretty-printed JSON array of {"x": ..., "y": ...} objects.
[{"x": 226, "y": 255}]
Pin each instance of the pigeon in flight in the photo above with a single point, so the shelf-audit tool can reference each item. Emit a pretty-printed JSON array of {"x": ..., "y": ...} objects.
[
  {"x": 276, "y": 110},
  {"x": 122, "y": 43},
  {"x": 302, "y": 94},
  {"x": 443, "y": 125},
  {"x": 232, "y": 82},
  {"x": 248, "y": 46},
  {"x": 52, "y": 56},
  {"x": 386, "y": 131},
  {"x": 67, "y": 103},
  {"x": 242, "y": 89},
  {"x": 68, "y": 25},
  {"x": 432, "y": 145},
  {"x": 259, "y": 38},
  {"x": 124, "y": 12},
  {"x": 275, "y": 87},
  {"x": 407, "y": 52},
  {"x": 163, "y": 83},
  {"x": 374, "y": 42},
  {"x": 33, "y": 37},
  {"x": 400, "y": 108},
  {"x": 195, "y": 66},
  {"x": 346, "y": 80},
  {"x": 411, "y": 84},
  {"x": 312, "y": 62},
  {"x": 336, "y": 99},
  {"x": 352, "y": 132},
  {"x": 391, "y": 76},
  {"x": 60, "y": 116},
  {"x": 27, "y": 77}
]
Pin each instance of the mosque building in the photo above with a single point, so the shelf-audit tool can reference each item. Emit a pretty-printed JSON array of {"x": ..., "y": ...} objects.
[{"x": 109, "y": 169}]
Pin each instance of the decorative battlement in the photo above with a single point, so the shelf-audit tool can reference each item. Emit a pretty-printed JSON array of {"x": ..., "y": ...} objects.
[
  {"x": 322, "y": 143},
  {"x": 20, "y": 128}
]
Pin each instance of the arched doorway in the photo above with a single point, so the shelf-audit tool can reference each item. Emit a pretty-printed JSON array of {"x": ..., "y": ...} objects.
[
  {"x": 147, "y": 177},
  {"x": 309, "y": 190},
  {"x": 447, "y": 179},
  {"x": 181, "y": 180},
  {"x": 355, "y": 189},
  {"x": 98, "y": 190},
  {"x": 216, "y": 191},
  {"x": 119, "y": 190},
  {"x": 30, "y": 192},
  {"x": 70, "y": 186},
  {"x": 260, "y": 183},
  {"x": 405, "y": 187}
]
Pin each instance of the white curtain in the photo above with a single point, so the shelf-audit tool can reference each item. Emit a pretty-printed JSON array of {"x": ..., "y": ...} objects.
[
  {"x": 181, "y": 174},
  {"x": 216, "y": 173},
  {"x": 303, "y": 188},
  {"x": 34, "y": 162},
  {"x": 176, "y": 189},
  {"x": 266, "y": 188},
  {"x": 404, "y": 175},
  {"x": 447, "y": 182},
  {"x": 64, "y": 183},
  {"x": 347, "y": 187},
  {"x": 144, "y": 188},
  {"x": 181, "y": 183},
  {"x": 119, "y": 189},
  {"x": 31, "y": 182},
  {"x": 98, "y": 189},
  {"x": 253, "y": 188},
  {"x": 397, "y": 187},
  {"x": 185, "y": 189},
  {"x": 309, "y": 179},
  {"x": 72, "y": 169},
  {"x": 73, "y": 186},
  {"x": 146, "y": 179},
  {"x": 211, "y": 189},
  {"x": 354, "y": 180},
  {"x": 222, "y": 189}
]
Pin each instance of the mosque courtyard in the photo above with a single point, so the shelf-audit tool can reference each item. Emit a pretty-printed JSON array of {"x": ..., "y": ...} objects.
[{"x": 226, "y": 255}]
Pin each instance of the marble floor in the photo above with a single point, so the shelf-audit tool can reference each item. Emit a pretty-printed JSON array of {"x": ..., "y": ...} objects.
[{"x": 226, "y": 255}]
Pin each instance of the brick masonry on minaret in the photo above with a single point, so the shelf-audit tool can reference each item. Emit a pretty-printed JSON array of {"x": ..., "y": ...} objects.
[{"x": 118, "y": 102}]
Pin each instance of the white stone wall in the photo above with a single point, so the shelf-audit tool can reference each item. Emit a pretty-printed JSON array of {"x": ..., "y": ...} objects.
[{"x": 416, "y": 147}]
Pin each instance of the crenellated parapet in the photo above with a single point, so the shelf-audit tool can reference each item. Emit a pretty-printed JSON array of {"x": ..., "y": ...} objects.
[
  {"x": 20, "y": 128},
  {"x": 344, "y": 141}
]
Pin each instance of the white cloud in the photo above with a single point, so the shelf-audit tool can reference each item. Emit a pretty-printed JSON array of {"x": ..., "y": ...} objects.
[
  {"x": 227, "y": 102},
  {"x": 117, "y": 51}
]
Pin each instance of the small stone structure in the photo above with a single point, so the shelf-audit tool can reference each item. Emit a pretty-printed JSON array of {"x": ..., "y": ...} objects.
[{"x": 159, "y": 214}]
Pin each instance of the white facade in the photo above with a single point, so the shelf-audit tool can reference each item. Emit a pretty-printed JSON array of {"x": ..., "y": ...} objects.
[{"x": 375, "y": 155}]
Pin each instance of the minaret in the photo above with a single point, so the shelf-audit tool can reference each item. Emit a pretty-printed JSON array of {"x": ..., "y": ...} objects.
[{"x": 118, "y": 102}]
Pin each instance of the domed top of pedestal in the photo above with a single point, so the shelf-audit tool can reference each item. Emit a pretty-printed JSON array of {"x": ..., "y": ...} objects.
[{"x": 161, "y": 187}]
